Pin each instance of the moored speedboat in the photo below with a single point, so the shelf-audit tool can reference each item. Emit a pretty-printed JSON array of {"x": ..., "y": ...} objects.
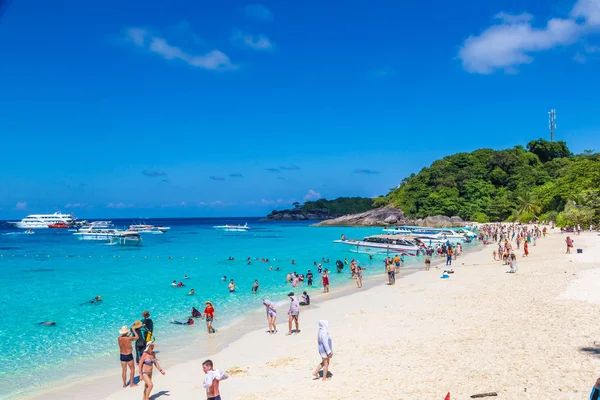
[
  {"x": 232, "y": 228},
  {"x": 59, "y": 225},
  {"x": 383, "y": 244},
  {"x": 396, "y": 231},
  {"x": 102, "y": 235},
  {"x": 42, "y": 221},
  {"x": 126, "y": 239},
  {"x": 148, "y": 229}
]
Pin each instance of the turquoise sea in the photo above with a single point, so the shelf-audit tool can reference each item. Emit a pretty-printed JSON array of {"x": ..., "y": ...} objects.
[{"x": 46, "y": 276}]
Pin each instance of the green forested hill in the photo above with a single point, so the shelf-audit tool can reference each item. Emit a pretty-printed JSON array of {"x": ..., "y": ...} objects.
[{"x": 543, "y": 180}]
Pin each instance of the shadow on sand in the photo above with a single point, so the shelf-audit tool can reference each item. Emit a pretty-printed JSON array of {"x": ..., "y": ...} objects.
[{"x": 160, "y": 394}]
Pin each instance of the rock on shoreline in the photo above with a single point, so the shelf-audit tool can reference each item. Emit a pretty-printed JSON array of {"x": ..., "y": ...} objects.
[{"x": 386, "y": 216}]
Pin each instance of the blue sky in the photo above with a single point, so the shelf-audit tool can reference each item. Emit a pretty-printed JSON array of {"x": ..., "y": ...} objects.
[{"x": 231, "y": 108}]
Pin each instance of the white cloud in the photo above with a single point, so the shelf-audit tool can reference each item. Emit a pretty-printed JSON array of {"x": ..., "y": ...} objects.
[
  {"x": 513, "y": 18},
  {"x": 513, "y": 41},
  {"x": 76, "y": 205},
  {"x": 119, "y": 205},
  {"x": 580, "y": 58},
  {"x": 213, "y": 60},
  {"x": 256, "y": 42},
  {"x": 277, "y": 201},
  {"x": 259, "y": 12},
  {"x": 21, "y": 205},
  {"x": 312, "y": 195},
  {"x": 587, "y": 10}
]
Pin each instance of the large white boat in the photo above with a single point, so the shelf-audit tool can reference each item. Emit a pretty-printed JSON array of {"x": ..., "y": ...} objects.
[
  {"x": 148, "y": 229},
  {"x": 396, "y": 231},
  {"x": 233, "y": 228},
  {"x": 42, "y": 221},
  {"x": 126, "y": 239},
  {"x": 383, "y": 244},
  {"x": 98, "y": 234}
]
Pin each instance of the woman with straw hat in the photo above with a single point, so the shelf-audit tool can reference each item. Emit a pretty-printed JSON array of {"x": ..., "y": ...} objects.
[
  {"x": 209, "y": 315},
  {"x": 147, "y": 363}
]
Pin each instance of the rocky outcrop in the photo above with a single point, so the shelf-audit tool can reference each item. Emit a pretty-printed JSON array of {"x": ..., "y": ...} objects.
[
  {"x": 386, "y": 216},
  {"x": 299, "y": 215}
]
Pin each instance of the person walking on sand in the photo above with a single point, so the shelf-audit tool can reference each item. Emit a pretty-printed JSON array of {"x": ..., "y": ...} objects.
[
  {"x": 127, "y": 353},
  {"x": 525, "y": 249},
  {"x": 359, "y": 273},
  {"x": 212, "y": 379},
  {"x": 325, "y": 350},
  {"x": 271, "y": 315},
  {"x": 569, "y": 242},
  {"x": 209, "y": 315},
  {"x": 293, "y": 313},
  {"x": 147, "y": 363}
]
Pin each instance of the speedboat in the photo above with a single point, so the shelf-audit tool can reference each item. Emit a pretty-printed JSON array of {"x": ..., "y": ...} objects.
[
  {"x": 126, "y": 239},
  {"x": 233, "y": 228},
  {"x": 59, "y": 225},
  {"x": 102, "y": 235},
  {"x": 149, "y": 229},
  {"x": 42, "y": 221},
  {"x": 383, "y": 244},
  {"x": 396, "y": 231}
]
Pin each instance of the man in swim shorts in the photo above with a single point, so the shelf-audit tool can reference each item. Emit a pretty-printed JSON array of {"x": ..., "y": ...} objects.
[{"x": 127, "y": 353}]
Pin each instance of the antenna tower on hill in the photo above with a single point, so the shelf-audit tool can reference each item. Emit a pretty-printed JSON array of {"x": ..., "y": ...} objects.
[{"x": 552, "y": 123}]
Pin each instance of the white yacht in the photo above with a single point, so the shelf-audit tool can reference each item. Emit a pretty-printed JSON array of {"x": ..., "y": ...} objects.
[
  {"x": 98, "y": 234},
  {"x": 149, "y": 229},
  {"x": 126, "y": 239},
  {"x": 36, "y": 221},
  {"x": 383, "y": 244},
  {"x": 233, "y": 228}
]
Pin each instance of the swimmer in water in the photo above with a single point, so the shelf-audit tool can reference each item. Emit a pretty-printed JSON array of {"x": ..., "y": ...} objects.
[
  {"x": 186, "y": 277},
  {"x": 174, "y": 284},
  {"x": 255, "y": 287},
  {"x": 95, "y": 300},
  {"x": 224, "y": 278},
  {"x": 191, "y": 293},
  {"x": 47, "y": 323},
  {"x": 190, "y": 321},
  {"x": 231, "y": 286}
]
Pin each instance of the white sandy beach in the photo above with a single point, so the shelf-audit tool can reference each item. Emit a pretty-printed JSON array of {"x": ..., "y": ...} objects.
[{"x": 530, "y": 335}]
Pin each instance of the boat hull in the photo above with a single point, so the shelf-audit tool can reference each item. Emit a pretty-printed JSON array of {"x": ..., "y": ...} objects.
[{"x": 360, "y": 246}]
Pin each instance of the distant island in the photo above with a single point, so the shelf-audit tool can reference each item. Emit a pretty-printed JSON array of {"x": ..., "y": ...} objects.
[
  {"x": 542, "y": 181},
  {"x": 323, "y": 209}
]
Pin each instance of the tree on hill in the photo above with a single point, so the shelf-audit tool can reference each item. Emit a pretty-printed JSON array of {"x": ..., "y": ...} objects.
[{"x": 547, "y": 151}]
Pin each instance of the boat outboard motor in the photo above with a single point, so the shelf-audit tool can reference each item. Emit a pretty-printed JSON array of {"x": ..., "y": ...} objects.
[{"x": 340, "y": 266}]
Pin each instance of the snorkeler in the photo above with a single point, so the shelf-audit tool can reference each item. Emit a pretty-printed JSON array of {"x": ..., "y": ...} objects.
[
  {"x": 46, "y": 323},
  {"x": 190, "y": 321},
  {"x": 95, "y": 300}
]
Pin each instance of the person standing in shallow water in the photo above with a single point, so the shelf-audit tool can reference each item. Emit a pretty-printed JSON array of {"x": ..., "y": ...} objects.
[
  {"x": 325, "y": 281},
  {"x": 209, "y": 315},
  {"x": 148, "y": 324}
]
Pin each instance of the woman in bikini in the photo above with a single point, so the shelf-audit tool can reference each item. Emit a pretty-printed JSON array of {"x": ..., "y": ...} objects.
[{"x": 147, "y": 363}]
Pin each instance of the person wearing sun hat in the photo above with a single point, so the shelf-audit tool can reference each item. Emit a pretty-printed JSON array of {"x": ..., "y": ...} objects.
[
  {"x": 209, "y": 315},
  {"x": 127, "y": 353},
  {"x": 140, "y": 343}
]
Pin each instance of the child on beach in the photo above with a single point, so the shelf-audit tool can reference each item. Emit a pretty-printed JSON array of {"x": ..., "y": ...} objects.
[
  {"x": 427, "y": 263},
  {"x": 212, "y": 379},
  {"x": 209, "y": 315}
]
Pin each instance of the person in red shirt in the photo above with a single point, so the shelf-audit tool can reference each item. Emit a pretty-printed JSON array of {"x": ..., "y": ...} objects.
[{"x": 209, "y": 315}]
